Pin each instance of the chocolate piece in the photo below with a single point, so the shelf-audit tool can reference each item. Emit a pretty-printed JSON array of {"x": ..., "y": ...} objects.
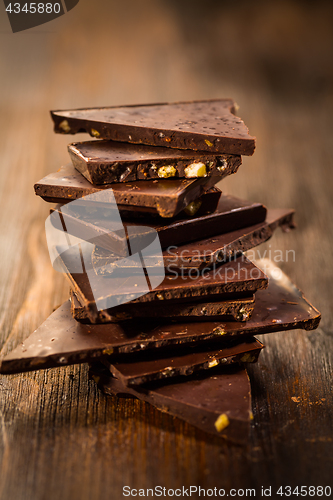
[
  {"x": 96, "y": 293},
  {"x": 168, "y": 197},
  {"x": 61, "y": 340},
  {"x": 219, "y": 403},
  {"x": 206, "y": 204},
  {"x": 95, "y": 224},
  {"x": 198, "y": 125},
  {"x": 238, "y": 309},
  {"x": 105, "y": 162},
  {"x": 203, "y": 253},
  {"x": 222, "y": 247},
  {"x": 140, "y": 368},
  {"x": 230, "y": 214}
]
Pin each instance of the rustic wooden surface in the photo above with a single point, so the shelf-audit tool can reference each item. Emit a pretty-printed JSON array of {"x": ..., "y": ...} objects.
[{"x": 60, "y": 438}]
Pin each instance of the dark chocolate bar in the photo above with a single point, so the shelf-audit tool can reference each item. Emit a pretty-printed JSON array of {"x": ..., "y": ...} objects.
[
  {"x": 105, "y": 162},
  {"x": 206, "y": 252},
  {"x": 167, "y": 197},
  {"x": 218, "y": 403},
  {"x": 230, "y": 214},
  {"x": 198, "y": 125},
  {"x": 61, "y": 340},
  {"x": 140, "y": 368},
  {"x": 96, "y": 293},
  {"x": 238, "y": 309}
]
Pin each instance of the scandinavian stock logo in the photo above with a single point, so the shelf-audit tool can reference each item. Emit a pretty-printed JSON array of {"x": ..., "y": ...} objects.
[
  {"x": 25, "y": 15},
  {"x": 134, "y": 263}
]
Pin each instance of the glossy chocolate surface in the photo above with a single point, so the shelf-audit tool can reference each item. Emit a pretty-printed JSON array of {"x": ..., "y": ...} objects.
[{"x": 197, "y": 125}]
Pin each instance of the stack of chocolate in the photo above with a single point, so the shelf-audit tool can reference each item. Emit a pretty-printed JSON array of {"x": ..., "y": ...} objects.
[{"x": 172, "y": 326}]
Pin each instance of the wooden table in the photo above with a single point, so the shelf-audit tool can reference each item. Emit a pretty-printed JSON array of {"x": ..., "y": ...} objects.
[{"x": 59, "y": 436}]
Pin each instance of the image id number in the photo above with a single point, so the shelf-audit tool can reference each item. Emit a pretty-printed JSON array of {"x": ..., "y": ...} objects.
[
  {"x": 34, "y": 8},
  {"x": 303, "y": 491}
]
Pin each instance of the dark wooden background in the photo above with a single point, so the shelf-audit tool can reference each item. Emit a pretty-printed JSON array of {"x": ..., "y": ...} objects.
[{"x": 60, "y": 438}]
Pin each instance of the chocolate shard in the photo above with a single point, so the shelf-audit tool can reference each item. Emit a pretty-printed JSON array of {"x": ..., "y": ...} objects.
[
  {"x": 218, "y": 403},
  {"x": 197, "y": 125},
  {"x": 140, "y": 368},
  {"x": 61, "y": 340},
  {"x": 106, "y": 162},
  {"x": 230, "y": 214},
  {"x": 206, "y": 204},
  {"x": 97, "y": 292},
  {"x": 239, "y": 309},
  {"x": 219, "y": 248},
  {"x": 167, "y": 197},
  {"x": 215, "y": 250}
]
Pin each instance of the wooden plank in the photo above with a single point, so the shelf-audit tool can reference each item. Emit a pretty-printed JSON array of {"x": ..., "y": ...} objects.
[{"x": 59, "y": 436}]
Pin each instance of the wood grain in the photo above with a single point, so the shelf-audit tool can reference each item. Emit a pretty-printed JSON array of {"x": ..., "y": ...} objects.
[{"x": 59, "y": 436}]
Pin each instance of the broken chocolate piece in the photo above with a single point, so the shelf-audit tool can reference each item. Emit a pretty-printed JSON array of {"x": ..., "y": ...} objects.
[
  {"x": 203, "y": 253},
  {"x": 218, "y": 403},
  {"x": 238, "y": 309},
  {"x": 105, "y": 162},
  {"x": 198, "y": 125},
  {"x": 166, "y": 197},
  {"x": 97, "y": 292},
  {"x": 217, "y": 249},
  {"x": 230, "y": 214},
  {"x": 61, "y": 340},
  {"x": 140, "y": 368}
]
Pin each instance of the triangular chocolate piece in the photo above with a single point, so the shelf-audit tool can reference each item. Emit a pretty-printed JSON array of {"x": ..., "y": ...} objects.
[
  {"x": 218, "y": 402},
  {"x": 197, "y": 125}
]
